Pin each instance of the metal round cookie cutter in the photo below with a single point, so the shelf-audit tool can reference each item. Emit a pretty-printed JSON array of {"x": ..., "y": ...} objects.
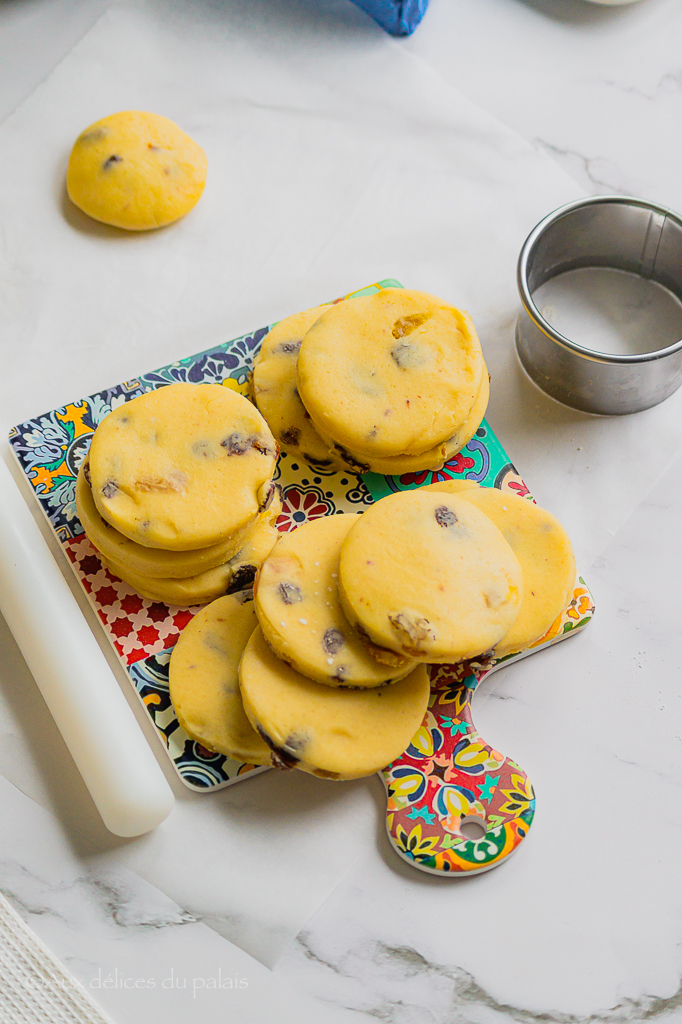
[{"x": 617, "y": 232}]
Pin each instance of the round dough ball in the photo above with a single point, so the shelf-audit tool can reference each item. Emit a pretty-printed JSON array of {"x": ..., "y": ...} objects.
[
  {"x": 324, "y": 730},
  {"x": 430, "y": 576},
  {"x": 545, "y": 554},
  {"x": 394, "y": 373},
  {"x": 204, "y": 681},
  {"x": 297, "y": 602},
  {"x": 183, "y": 467},
  {"x": 153, "y": 562},
  {"x": 136, "y": 171},
  {"x": 276, "y": 394}
]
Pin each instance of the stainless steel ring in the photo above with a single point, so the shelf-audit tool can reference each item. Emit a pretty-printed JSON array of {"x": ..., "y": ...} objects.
[{"x": 604, "y": 231}]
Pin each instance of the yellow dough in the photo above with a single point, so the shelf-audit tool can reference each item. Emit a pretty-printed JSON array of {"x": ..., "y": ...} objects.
[
  {"x": 276, "y": 394},
  {"x": 452, "y": 486},
  {"x": 430, "y": 576},
  {"x": 297, "y": 601},
  {"x": 324, "y": 730},
  {"x": 204, "y": 680},
  {"x": 235, "y": 575},
  {"x": 185, "y": 592},
  {"x": 392, "y": 373},
  {"x": 544, "y": 551},
  {"x": 183, "y": 467},
  {"x": 435, "y": 458},
  {"x": 135, "y": 170},
  {"x": 152, "y": 562}
]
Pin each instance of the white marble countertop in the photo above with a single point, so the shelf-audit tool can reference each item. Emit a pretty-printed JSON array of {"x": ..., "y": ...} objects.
[{"x": 585, "y": 922}]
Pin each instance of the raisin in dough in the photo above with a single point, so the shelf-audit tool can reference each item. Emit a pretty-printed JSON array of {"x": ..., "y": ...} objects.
[
  {"x": 276, "y": 393},
  {"x": 430, "y": 576},
  {"x": 324, "y": 730},
  {"x": 435, "y": 458},
  {"x": 297, "y": 601},
  {"x": 183, "y": 467},
  {"x": 261, "y": 541},
  {"x": 394, "y": 373},
  {"x": 135, "y": 170},
  {"x": 153, "y": 562},
  {"x": 235, "y": 575},
  {"x": 204, "y": 681},
  {"x": 544, "y": 551}
]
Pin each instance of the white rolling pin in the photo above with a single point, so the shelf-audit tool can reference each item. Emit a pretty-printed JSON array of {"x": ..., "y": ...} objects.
[{"x": 99, "y": 728}]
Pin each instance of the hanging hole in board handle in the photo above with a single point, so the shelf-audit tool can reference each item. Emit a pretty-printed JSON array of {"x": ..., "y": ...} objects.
[{"x": 472, "y": 828}]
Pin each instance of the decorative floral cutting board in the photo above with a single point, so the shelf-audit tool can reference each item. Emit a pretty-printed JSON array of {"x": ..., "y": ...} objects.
[{"x": 448, "y": 778}]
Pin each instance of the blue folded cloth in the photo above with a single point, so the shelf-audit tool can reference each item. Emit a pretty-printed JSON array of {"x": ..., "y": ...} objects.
[{"x": 399, "y": 17}]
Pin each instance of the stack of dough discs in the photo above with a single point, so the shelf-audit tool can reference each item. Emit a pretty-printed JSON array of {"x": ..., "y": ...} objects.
[
  {"x": 234, "y": 575},
  {"x": 297, "y": 602},
  {"x": 324, "y": 730},
  {"x": 204, "y": 683},
  {"x": 543, "y": 549},
  {"x": 276, "y": 393},
  {"x": 394, "y": 375},
  {"x": 276, "y": 390},
  {"x": 135, "y": 170},
  {"x": 182, "y": 467},
  {"x": 177, "y": 493},
  {"x": 434, "y": 458},
  {"x": 149, "y": 562},
  {"x": 429, "y": 576},
  {"x": 185, "y": 592}
]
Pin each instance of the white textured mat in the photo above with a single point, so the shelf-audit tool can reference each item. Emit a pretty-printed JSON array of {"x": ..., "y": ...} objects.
[{"x": 34, "y": 987}]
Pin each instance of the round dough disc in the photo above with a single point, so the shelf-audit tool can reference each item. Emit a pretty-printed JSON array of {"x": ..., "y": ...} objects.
[
  {"x": 276, "y": 393},
  {"x": 430, "y": 576},
  {"x": 545, "y": 554},
  {"x": 324, "y": 730},
  {"x": 183, "y": 467},
  {"x": 135, "y": 170},
  {"x": 392, "y": 373},
  {"x": 152, "y": 562},
  {"x": 297, "y": 601},
  {"x": 433, "y": 459},
  {"x": 204, "y": 682}
]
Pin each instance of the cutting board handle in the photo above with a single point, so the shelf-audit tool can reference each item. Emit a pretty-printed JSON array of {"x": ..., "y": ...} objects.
[{"x": 455, "y": 804}]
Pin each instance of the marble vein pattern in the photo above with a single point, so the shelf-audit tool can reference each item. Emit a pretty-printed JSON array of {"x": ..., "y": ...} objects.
[
  {"x": 409, "y": 989},
  {"x": 599, "y": 88},
  {"x": 291, "y": 838},
  {"x": 598, "y": 174},
  {"x": 131, "y": 948}
]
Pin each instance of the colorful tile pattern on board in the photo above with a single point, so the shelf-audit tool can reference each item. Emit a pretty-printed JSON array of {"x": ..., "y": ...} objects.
[{"x": 449, "y": 777}]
